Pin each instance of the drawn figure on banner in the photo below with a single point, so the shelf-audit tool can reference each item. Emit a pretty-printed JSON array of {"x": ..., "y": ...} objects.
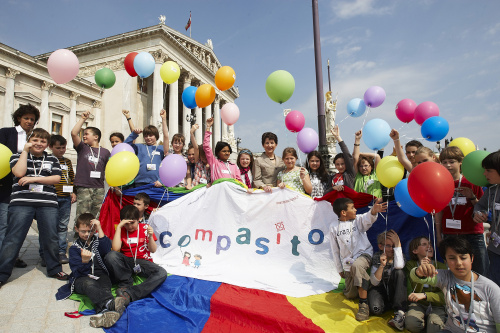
[
  {"x": 197, "y": 261},
  {"x": 185, "y": 260}
]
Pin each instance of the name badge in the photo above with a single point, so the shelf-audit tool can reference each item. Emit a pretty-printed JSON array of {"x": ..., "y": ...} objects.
[
  {"x": 93, "y": 277},
  {"x": 340, "y": 182},
  {"x": 156, "y": 153},
  {"x": 151, "y": 167},
  {"x": 132, "y": 240},
  {"x": 47, "y": 166},
  {"x": 459, "y": 201},
  {"x": 497, "y": 206},
  {"x": 64, "y": 167},
  {"x": 95, "y": 174},
  {"x": 226, "y": 171},
  {"x": 453, "y": 224},
  {"x": 67, "y": 189},
  {"x": 203, "y": 181},
  {"x": 369, "y": 182},
  {"x": 93, "y": 159},
  {"x": 36, "y": 188}
]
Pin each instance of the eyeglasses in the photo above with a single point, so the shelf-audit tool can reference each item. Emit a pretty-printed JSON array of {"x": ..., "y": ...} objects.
[{"x": 387, "y": 246}]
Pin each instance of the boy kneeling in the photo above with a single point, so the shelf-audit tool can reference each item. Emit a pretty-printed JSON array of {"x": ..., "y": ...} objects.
[
  {"x": 352, "y": 250},
  {"x": 89, "y": 275},
  {"x": 132, "y": 245}
]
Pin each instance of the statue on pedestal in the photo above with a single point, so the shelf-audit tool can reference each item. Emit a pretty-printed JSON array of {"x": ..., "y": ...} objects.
[{"x": 330, "y": 111}]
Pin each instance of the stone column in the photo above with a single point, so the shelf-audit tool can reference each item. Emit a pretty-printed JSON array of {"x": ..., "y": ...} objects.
[
  {"x": 44, "y": 121},
  {"x": 187, "y": 77},
  {"x": 10, "y": 75},
  {"x": 224, "y": 129},
  {"x": 173, "y": 106},
  {"x": 199, "y": 120},
  {"x": 207, "y": 113},
  {"x": 96, "y": 111},
  {"x": 217, "y": 121},
  {"x": 73, "y": 96},
  {"x": 157, "y": 95}
]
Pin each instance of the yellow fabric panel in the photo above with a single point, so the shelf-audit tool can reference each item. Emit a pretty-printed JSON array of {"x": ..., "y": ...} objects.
[{"x": 334, "y": 313}]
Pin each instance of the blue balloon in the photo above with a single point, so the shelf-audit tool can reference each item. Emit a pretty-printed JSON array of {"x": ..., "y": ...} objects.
[
  {"x": 144, "y": 64},
  {"x": 404, "y": 201},
  {"x": 376, "y": 134},
  {"x": 435, "y": 128},
  {"x": 188, "y": 97},
  {"x": 356, "y": 107}
]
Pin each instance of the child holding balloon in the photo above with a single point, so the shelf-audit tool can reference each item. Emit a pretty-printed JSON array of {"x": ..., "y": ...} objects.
[
  {"x": 366, "y": 180},
  {"x": 456, "y": 218},
  {"x": 490, "y": 202},
  {"x": 344, "y": 163},
  {"x": 199, "y": 169},
  {"x": 293, "y": 176},
  {"x": 411, "y": 148},
  {"x": 220, "y": 167},
  {"x": 320, "y": 179}
]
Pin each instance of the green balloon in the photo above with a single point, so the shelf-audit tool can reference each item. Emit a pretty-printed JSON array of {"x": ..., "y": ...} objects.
[
  {"x": 472, "y": 168},
  {"x": 280, "y": 86},
  {"x": 105, "y": 78}
]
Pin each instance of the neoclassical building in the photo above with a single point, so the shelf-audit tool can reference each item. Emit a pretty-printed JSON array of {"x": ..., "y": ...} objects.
[{"x": 25, "y": 79}]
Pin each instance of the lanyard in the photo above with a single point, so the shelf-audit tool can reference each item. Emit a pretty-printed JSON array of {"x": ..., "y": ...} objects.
[
  {"x": 152, "y": 155},
  {"x": 471, "y": 306},
  {"x": 227, "y": 166},
  {"x": 34, "y": 168},
  {"x": 98, "y": 155},
  {"x": 65, "y": 175},
  {"x": 365, "y": 184},
  {"x": 455, "y": 196},
  {"x": 136, "y": 246},
  {"x": 494, "y": 217}
]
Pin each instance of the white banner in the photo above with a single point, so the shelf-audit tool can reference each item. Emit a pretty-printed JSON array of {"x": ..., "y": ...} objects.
[{"x": 276, "y": 241}]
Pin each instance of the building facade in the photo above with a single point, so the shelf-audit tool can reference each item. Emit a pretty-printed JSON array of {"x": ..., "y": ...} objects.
[{"x": 25, "y": 79}]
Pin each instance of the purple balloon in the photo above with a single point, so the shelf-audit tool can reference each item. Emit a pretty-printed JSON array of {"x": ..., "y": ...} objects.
[
  {"x": 307, "y": 140},
  {"x": 172, "y": 170},
  {"x": 374, "y": 96},
  {"x": 122, "y": 147}
]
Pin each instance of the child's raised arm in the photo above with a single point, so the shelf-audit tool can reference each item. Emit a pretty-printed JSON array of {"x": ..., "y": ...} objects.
[
  {"x": 75, "y": 132},
  {"x": 163, "y": 115},
  {"x": 399, "y": 150},
  {"x": 151, "y": 242},
  {"x": 98, "y": 227},
  {"x": 116, "y": 244},
  {"x": 126, "y": 113},
  {"x": 355, "y": 150},
  {"x": 194, "y": 143},
  {"x": 21, "y": 166}
]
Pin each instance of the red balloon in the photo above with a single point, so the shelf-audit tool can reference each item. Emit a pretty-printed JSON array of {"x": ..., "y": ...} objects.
[
  {"x": 129, "y": 63},
  {"x": 431, "y": 186}
]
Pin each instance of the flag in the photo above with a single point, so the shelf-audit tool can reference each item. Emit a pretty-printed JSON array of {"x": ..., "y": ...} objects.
[{"x": 189, "y": 22}]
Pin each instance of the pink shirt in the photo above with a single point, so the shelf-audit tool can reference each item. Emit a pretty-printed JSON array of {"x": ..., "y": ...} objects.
[{"x": 219, "y": 169}]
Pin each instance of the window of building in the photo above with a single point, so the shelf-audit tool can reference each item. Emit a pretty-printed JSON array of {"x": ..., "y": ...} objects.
[{"x": 56, "y": 124}]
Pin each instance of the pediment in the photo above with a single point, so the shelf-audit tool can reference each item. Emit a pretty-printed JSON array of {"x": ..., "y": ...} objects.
[
  {"x": 28, "y": 96},
  {"x": 59, "y": 106}
]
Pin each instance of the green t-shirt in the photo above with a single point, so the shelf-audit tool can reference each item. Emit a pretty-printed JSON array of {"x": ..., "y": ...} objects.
[{"x": 368, "y": 184}]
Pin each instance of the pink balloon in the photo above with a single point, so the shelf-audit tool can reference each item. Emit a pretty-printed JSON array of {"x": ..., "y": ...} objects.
[
  {"x": 424, "y": 111},
  {"x": 122, "y": 147},
  {"x": 295, "y": 121},
  {"x": 230, "y": 113},
  {"x": 405, "y": 110},
  {"x": 63, "y": 66},
  {"x": 172, "y": 170},
  {"x": 307, "y": 140}
]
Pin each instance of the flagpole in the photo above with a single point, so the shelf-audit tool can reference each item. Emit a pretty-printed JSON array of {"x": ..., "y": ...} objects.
[{"x": 190, "y": 26}]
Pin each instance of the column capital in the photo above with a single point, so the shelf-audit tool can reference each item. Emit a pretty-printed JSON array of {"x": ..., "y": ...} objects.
[
  {"x": 159, "y": 56},
  {"x": 96, "y": 104},
  {"x": 217, "y": 99},
  {"x": 11, "y": 73},
  {"x": 187, "y": 77},
  {"x": 73, "y": 95},
  {"x": 46, "y": 85}
]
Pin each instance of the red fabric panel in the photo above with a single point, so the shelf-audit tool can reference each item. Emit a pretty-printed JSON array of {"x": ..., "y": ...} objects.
[
  {"x": 238, "y": 309},
  {"x": 360, "y": 199}
]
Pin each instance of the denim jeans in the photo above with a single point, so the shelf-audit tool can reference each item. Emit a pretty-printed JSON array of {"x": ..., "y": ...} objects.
[
  {"x": 20, "y": 219},
  {"x": 494, "y": 271},
  {"x": 64, "y": 212},
  {"x": 99, "y": 291},
  {"x": 381, "y": 299},
  {"x": 4, "y": 213}
]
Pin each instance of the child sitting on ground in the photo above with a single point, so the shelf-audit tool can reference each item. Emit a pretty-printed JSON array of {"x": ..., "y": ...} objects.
[
  {"x": 352, "y": 251},
  {"x": 132, "y": 245},
  {"x": 472, "y": 300},
  {"x": 89, "y": 275},
  {"x": 388, "y": 279},
  {"x": 426, "y": 309}
]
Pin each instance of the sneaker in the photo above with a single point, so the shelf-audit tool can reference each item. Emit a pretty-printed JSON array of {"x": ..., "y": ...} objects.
[
  {"x": 43, "y": 263},
  {"x": 63, "y": 259},
  {"x": 363, "y": 312},
  {"x": 61, "y": 276},
  {"x": 398, "y": 322},
  {"x": 121, "y": 292},
  {"x": 106, "y": 319},
  {"x": 20, "y": 264},
  {"x": 121, "y": 302}
]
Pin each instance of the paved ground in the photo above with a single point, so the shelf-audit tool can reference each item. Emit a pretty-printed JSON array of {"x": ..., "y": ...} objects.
[{"x": 28, "y": 303}]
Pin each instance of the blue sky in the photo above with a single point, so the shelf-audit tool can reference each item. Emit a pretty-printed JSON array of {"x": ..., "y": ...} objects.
[{"x": 445, "y": 51}]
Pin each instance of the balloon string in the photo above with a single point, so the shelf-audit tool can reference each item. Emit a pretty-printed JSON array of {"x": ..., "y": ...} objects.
[
  {"x": 434, "y": 238},
  {"x": 166, "y": 190},
  {"x": 99, "y": 212},
  {"x": 405, "y": 124},
  {"x": 127, "y": 91},
  {"x": 100, "y": 92},
  {"x": 364, "y": 119},
  {"x": 121, "y": 196},
  {"x": 343, "y": 120}
]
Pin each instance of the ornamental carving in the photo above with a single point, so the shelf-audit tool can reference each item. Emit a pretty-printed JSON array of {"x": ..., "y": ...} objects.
[
  {"x": 114, "y": 65},
  {"x": 159, "y": 56},
  {"x": 46, "y": 85},
  {"x": 217, "y": 99},
  {"x": 187, "y": 77},
  {"x": 11, "y": 73},
  {"x": 199, "y": 53},
  {"x": 96, "y": 104},
  {"x": 73, "y": 96}
]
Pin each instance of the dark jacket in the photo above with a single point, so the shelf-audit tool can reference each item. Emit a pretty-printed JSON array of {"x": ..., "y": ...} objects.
[{"x": 8, "y": 137}]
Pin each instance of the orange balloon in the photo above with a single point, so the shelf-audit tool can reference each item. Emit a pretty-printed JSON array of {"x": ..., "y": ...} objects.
[
  {"x": 205, "y": 95},
  {"x": 225, "y": 77}
]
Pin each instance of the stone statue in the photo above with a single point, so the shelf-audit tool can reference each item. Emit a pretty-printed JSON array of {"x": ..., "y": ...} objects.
[
  {"x": 162, "y": 19},
  {"x": 209, "y": 44},
  {"x": 330, "y": 111}
]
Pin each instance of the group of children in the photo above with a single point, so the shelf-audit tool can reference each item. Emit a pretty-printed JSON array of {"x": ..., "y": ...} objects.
[{"x": 46, "y": 185}]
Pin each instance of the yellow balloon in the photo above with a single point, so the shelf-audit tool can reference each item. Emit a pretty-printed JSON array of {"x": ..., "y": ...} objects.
[
  {"x": 170, "y": 72},
  {"x": 122, "y": 168},
  {"x": 465, "y": 145},
  {"x": 390, "y": 171},
  {"x": 5, "y": 155}
]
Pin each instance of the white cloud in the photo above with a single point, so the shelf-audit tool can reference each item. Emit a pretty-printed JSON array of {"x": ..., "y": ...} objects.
[
  {"x": 348, "y": 51},
  {"x": 494, "y": 29},
  {"x": 350, "y": 9},
  {"x": 355, "y": 67}
]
